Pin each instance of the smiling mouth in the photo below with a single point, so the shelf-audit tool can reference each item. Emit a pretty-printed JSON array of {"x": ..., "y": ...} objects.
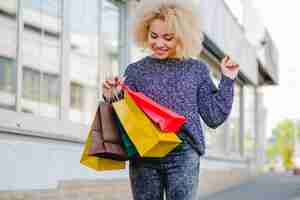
[{"x": 161, "y": 51}]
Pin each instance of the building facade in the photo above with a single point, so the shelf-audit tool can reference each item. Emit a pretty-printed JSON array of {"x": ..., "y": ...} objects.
[{"x": 54, "y": 56}]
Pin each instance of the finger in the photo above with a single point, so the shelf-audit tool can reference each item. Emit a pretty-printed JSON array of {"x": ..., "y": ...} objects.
[
  {"x": 113, "y": 80},
  {"x": 223, "y": 61},
  {"x": 117, "y": 80},
  {"x": 110, "y": 82},
  {"x": 236, "y": 66},
  {"x": 229, "y": 63},
  {"x": 226, "y": 59},
  {"x": 107, "y": 92},
  {"x": 106, "y": 85},
  {"x": 232, "y": 66},
  {"x": 122, "y": 80}
]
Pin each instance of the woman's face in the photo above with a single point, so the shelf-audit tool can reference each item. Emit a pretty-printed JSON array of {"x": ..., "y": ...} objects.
[{"x": 160, "y": 41}]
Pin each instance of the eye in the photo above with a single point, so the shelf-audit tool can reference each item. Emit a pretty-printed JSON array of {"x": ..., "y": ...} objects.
[
  {"x": 153, "y": 35},
  {"x": 169, "y": 38}
]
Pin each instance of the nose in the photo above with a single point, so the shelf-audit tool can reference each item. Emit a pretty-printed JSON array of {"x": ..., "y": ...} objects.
[{"x": 159, "y": 43}]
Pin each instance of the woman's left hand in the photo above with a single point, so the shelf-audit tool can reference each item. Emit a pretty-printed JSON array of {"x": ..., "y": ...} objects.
[{"x": 229, "y": 68}]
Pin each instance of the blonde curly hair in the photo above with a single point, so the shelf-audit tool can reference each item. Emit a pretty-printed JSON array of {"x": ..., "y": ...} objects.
[{"x": 181, "y": 19}]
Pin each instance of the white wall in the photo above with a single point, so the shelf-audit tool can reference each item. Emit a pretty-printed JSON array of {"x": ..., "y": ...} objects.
[
  {"x": 29, "y": 163},
  {"x": 224, "y": 30},
  {"x": 35, "y": 163}
]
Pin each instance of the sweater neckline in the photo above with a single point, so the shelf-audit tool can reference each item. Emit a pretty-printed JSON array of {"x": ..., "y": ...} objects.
[{"x": 166, "y": 60}]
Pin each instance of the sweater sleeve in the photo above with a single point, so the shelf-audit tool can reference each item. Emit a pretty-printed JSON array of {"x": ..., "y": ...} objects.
[
  {"x": 214, "y": 104},
  {"x": 130, "y": 75}
]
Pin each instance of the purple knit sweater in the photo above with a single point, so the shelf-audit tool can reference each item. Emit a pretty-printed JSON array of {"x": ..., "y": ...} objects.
[{"x": 185, "y": 87}]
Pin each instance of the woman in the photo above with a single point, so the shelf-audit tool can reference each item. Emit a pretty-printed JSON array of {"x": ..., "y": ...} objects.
[{"x": 170, "y": 76}]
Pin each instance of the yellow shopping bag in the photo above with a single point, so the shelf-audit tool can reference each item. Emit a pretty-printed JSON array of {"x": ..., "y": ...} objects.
[
  {"x": 97, "y": 163},
  {"x": 148, "y": 139}
]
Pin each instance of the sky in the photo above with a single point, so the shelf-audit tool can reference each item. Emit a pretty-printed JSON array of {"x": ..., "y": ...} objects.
[{"x": 282, "y": 20}]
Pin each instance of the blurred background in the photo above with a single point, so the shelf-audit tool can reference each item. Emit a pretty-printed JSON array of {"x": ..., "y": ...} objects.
[{"x": 54, "y": 54}]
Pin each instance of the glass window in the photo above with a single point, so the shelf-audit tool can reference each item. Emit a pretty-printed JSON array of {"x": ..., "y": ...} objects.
[
  {"x": 227, "y": 136},
  {"x": 136, "y": 53},
  {"x": 85, "y": 73},
  {"x": 215, "y": 142},
  {"x": 111, "y": 37},
  {"x": 41, "y": 52},
  {"x": 83, "y": 59},
  {"x": 8, "y": 46},
  {"x": 214, "y": 137},
  {"x": 249, "y": 121},
  {"x": 31, "y": 81},
  {"x": 234, "y": 122}
]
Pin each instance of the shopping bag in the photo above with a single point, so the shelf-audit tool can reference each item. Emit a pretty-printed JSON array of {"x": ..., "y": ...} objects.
[
  {"x": 148, "y": 139},
  {"x": 127, "y": 143},
  {"x": 98, "y": 163},
  {"x": 106, "y": 141},
  {"x": 166, "y": 119},
  {"x": 95, "y": 161}
]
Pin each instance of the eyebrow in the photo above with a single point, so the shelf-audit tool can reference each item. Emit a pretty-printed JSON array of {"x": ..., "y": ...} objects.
[{"x": 164, "y": 35}]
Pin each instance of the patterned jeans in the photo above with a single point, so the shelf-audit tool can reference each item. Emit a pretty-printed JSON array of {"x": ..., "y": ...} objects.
[{"x": 177, "y": 174}]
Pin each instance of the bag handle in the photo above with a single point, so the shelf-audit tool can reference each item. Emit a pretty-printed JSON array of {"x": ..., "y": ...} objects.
[
  {"x": 116, "y": 93},
  {"x": 125, "y": 87}
]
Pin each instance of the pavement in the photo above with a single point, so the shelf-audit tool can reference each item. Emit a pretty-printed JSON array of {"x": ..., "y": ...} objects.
[{"x": 268, "y": 186}]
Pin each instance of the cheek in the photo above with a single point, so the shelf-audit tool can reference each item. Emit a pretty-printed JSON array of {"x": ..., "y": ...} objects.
[
  {"x": 172, "y": 45},
  {"x": 151, "y": 42}
]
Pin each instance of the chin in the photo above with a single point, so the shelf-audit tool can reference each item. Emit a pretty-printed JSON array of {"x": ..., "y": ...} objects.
[{"x": 164, "y": 56}]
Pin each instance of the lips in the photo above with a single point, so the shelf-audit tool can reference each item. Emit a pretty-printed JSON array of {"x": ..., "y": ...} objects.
[
  {"x": 161, "y": 51},
  {"x": 156, "y": 48}
]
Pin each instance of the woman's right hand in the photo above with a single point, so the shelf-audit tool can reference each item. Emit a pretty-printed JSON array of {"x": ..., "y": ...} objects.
[{"x": 111, "y": 87}]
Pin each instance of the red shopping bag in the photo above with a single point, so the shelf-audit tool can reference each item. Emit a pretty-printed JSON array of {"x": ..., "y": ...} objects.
[{"x": 166, "y": 119}]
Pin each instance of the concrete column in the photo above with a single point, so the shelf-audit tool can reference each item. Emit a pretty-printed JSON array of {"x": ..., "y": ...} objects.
[
  {"x": 242, "y": 123},
  {"x": 226, "y": 139},
  {"x": 260, "y": 128}
]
